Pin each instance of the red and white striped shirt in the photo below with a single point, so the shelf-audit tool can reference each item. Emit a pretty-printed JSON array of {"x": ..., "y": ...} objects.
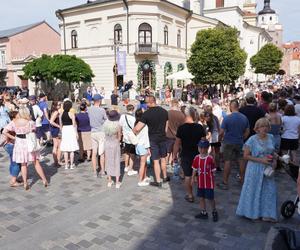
[{"x": 205, "y": 166}]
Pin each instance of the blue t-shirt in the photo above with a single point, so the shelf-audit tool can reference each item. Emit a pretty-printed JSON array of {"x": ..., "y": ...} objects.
[
  {"x": 234, "y": 126},
  {"x": 44, "y": 105},
  {"x": 83, "y": 122}
]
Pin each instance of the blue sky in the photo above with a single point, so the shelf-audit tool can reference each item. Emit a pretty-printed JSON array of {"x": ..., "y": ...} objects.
[{"x": 30, "y": 11}]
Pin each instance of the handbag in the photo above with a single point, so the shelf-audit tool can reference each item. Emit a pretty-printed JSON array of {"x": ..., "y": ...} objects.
[
  {"x": 32, "y": 142},
  {"x": 269, "y": 172},
  {"x": 131, "y": 136}
]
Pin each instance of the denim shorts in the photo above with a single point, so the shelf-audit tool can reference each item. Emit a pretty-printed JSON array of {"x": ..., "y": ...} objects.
[{"x": 141, "y": 150}]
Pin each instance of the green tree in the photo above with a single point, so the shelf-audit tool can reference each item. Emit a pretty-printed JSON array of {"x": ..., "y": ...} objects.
[
  {"x": 267, "y": 60},
  {"x": 71, "y": 69},
  {"x": 216, "y": 56}
]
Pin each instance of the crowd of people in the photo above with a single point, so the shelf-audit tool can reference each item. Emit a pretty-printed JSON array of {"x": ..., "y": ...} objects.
[{"x": 251, "y": 128}]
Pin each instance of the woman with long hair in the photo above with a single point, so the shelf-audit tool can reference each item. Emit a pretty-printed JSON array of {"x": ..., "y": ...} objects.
[
  {"x": 54, "y": 130},
  {"x": 69, "y": 136},
  {"x": 22, "y": 126}
]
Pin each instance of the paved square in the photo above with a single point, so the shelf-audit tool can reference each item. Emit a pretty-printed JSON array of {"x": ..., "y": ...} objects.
[{"x": 78, "y": 211}]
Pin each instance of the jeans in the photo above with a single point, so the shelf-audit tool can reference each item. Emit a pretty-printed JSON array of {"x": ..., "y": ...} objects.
[{"x": 14, "y": 168}]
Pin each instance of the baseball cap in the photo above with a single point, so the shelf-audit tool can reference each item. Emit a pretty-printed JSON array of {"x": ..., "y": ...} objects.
[
  {"x": 203, "y": 144},
  {"x": 250, "y": 95},
  {"x": 32, "y": 97},
  {"x": 97, "y": 97}
]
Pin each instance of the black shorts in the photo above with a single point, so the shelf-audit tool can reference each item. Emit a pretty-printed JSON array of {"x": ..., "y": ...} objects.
[
  {"x": 129, "y": 149},
  {"x": 215, "y": 144},
  {"x": 205, "y": 193},
  {"x": 158, "y": 150},
  {"x": 186, "y": 164},
  {"x": 289, "y": 144},
  {"x": 170, "y": 144}
]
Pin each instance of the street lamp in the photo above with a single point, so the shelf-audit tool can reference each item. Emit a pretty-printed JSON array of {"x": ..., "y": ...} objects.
[{"x": 115, "y": 46}]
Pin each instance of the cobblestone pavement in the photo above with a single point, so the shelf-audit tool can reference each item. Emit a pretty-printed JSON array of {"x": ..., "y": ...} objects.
[{"x": 78, "y": 211}]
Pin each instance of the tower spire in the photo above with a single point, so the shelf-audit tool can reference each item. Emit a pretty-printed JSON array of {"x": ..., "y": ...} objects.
[{"x": 267, "y": 8}]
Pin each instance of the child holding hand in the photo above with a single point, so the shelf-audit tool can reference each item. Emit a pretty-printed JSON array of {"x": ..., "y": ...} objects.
[{"x": 204, "y": 167}]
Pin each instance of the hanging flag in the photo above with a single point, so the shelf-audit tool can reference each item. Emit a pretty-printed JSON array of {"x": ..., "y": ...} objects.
[{"x": 121, "y": 62}]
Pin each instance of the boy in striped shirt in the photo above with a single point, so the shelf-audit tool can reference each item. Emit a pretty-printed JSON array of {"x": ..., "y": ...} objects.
[{"x": 204, "y": 167}]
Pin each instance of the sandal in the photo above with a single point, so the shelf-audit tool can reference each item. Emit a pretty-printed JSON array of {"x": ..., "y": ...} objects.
[
  {"x": 189, "y": 199},
  {"x": 16, "y": 184}
]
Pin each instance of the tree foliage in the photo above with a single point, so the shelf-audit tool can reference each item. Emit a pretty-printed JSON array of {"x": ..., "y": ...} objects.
[
  {"x": 39, "y": 69},
  {"x": 66, "y": 68},
  {"x": 216, "y": 56},
  {"x": 267, "y": 60}
]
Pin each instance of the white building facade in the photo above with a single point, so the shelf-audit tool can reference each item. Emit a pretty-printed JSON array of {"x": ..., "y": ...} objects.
[{"x": 154, "y": 36}]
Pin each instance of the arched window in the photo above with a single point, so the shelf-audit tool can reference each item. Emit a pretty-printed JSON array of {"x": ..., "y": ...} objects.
[
  {"x": 74, "y": 39},
  {"x": 166, "y": 38},
  {"x": 263, "y": 19},
  {"x": 118, "y": 33},
  {"x": 179, "y": 39},
  {"x": 270, "y": 18},
  {"x": 145, "y": 33},
  {"x": 219, "y": 3}
]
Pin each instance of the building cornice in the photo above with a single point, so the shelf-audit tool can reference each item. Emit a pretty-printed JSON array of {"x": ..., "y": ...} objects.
[
  {"x": 259, "y": 30},
  {"x": 224, "y": 9}
]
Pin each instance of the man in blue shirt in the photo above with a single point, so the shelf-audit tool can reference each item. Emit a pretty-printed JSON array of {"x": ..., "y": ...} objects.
[
  {"x": 234, "y": 129},
  {"x": 88, "y": 94},
  {"x": 43, "y": 105}
]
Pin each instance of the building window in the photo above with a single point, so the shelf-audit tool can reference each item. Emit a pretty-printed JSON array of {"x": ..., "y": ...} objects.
[
  {"x": 118, "y": 33},
  {"x": 179, "y": 39},
  {"x": 219, "y": 3},
  {"x": 2, "y": 59},
  {"x": 166, "y": 39},
  {"x": 74, "y": 39},
  {"x": 145, "y": 33},
  {"x": 270, "y": 18},
  {"x": 263, "y": 19}
]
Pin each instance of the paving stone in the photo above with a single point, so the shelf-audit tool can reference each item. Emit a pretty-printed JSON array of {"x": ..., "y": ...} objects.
[
  {"x": 105, "y": 217},
  {"x": 110, "y": 238},
  {"x": 84, "y": 243},
  {"x": 72, "y": 246},
  {"x": 91, "y": 225},
  {"x": 13, "y": 228}
]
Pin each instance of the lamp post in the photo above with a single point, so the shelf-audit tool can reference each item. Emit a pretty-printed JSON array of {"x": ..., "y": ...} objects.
[{"x": 115, "y": 47}]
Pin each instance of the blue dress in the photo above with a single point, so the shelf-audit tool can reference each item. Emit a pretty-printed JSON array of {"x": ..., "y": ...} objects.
[{"x": 259, "y": 196}]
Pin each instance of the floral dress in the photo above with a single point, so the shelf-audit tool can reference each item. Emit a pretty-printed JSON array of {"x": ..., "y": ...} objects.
[
  {"x": 259, "y": 196},
  {"x": 21, "y": 154}
]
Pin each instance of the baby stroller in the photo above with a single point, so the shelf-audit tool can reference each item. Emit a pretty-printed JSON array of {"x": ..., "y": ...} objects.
[{"x": 288, "y": 207}]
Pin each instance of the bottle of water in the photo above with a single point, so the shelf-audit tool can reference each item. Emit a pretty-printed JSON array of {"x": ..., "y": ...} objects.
[
  {"x": 176, "y": 168},
  {"x": 148, "y": 162}
]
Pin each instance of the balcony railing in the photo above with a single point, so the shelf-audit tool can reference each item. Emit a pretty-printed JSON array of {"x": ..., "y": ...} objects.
[{"x": 146, "y": 48}]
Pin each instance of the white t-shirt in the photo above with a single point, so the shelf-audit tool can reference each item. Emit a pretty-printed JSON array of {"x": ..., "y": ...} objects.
[
  {"x": 143, "y": 137},
  {"x": 38, "y": 114},
  {"x": 125, "y": 128},
  {"x": 297, "y": 109},
  {"x": 290, "y": 126}
]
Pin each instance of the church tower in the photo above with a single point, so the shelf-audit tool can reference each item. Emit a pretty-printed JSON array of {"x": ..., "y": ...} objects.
[
  {"x": 249, "y": 8},
  {"x": 268, "y": 19}
]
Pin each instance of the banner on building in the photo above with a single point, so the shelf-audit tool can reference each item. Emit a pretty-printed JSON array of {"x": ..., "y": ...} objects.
[{"x": 121, "y": 62}]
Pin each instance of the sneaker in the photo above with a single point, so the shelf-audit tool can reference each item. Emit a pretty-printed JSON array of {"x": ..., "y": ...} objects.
[
  {"x": 132, "y": 172},
  {"x": 147, "y": 179},
  {"x": 222, "y": 186},
  {"x": 72, "y": 166},
  {"x": 202, "y": 215},
  {"x": 109, "y": 184},
  {"x": 143, "y": 183},
  {"x": 167, "y": 179},
  {"x": 156, "y": 184},
  {"x": 215, "y": 216},
  {"x": 126, "y": 169},
  {"x": 118, "y": 185},
  {"x": 96, "y": 174},
  {"x": 66, "y": 166}
]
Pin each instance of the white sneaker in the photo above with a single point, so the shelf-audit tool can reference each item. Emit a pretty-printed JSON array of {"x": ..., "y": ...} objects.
[
  {"x": 66, "y": 167},
  {"x": 147, "y": 179},
  {"x": 72, "y": 166},
  {"x": 118, "y": 185},
  {"x": 132, "y": 172},
  {"x": 143, "y": 183},
  {"x": 109, "y": 184},
  {"x": 126, "y": 169}
]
